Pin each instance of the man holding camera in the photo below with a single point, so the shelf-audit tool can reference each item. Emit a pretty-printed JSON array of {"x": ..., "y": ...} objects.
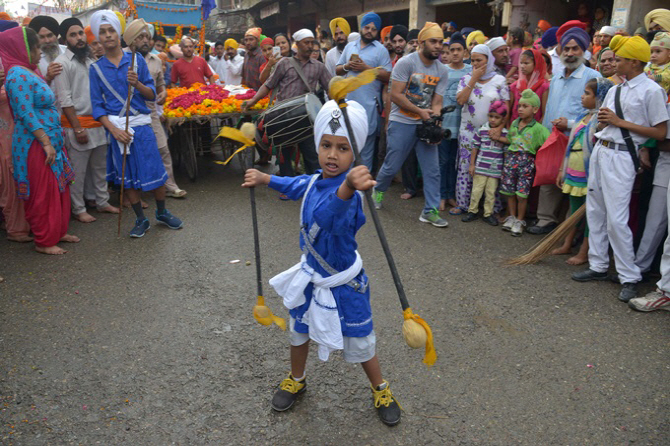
[{"x": 418, "y": 83}]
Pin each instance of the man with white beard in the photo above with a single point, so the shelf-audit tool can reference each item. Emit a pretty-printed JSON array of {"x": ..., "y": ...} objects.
[
  {"x": 47, "y": 30},
  {"x": 564, "y": 105}
]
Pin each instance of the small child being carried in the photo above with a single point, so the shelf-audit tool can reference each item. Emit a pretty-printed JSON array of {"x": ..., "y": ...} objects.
[
  {"x": 486, "y": 163},
  {"x": 659, "y": 69},
  {"x": 327, "y": 292}
]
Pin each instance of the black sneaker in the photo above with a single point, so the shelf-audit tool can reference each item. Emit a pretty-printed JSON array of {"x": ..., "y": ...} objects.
[
  {"x": 588, "y": 275},
  {"x": 491, "y": 219},
  {"x": 628, "y": 292},
  {"x": 470, "y": 216},
  {"x": 387, "y": 406},
  {"x": 288, "y": 392}
]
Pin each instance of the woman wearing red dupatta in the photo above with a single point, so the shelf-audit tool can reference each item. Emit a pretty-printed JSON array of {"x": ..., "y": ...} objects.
[
  {"x": 41, "y": 169},
  {"x": 532, "y": 74}
]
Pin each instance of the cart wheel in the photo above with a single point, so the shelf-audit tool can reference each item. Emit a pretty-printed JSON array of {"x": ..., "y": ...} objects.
[{"x": 188, "y": 155}]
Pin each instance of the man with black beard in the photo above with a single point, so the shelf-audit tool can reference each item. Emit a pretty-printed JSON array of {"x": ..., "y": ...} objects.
[
  {"x": 47, "y": 30},
  {"x": 340, "y": 30},
  {"x": 564, "y": 105},
  {"x": 361, "y": 55},
  {"x": 412, "y": 41},
  {"x": 398, "y": 36},
  {"x": 418, "y": 85},
  {"x": 85, "y": 137},
  {"x": 155, "y": 65}
]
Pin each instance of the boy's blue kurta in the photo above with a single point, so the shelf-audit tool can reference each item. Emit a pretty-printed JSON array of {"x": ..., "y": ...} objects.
[
  {"x": 144, "y": 166},
  {"x": 339, "y": 221}
]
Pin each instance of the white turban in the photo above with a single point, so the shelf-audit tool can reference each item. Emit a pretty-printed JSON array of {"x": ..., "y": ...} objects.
[
  {"x": 608, "y": 30},
  {"x": 302, "y": 34},
  {"x": 152, "y": 29},
  {"x": 495, "y": 43},
  {"x": 330, "y": 121},
  {"x": 104, "y": 17},
  {"x": 353, "y": 37}
]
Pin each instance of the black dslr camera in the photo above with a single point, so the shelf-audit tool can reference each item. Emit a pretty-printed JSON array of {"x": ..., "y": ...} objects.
[{"x": 431, "y": 131}]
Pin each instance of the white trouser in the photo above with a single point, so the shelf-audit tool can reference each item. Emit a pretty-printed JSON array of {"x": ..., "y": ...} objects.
[
  {"x": 170, "y": 184},
  {"x": 91, "y": 164},
  {"x": 664, "y": 283},
  {"x": 610, "y": 185},
  {"x": 654, "y": 229}
]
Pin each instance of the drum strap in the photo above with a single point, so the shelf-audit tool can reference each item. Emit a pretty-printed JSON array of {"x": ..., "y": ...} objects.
[{"x": 297, "y": 67}]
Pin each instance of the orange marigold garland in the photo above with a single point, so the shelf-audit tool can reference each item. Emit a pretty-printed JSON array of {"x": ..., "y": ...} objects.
[{"x": 201, "y": 100}]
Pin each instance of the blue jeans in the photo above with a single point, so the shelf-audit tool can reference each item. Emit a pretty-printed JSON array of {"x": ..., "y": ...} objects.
[
  {"x": 368, "y": 150},
  {"x": 401, "y": 139},
  {"x": 448, "y": 152}
]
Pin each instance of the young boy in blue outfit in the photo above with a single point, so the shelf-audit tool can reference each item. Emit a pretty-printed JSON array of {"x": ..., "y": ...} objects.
[
  {"x": 327, "y": 292},
  {"x": 109, "y": 78}
]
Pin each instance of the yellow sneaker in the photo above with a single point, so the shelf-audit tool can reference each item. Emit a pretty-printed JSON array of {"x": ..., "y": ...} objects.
[
  {"x": 288, "y": 392},
  {"x": 387, "y": 406}
]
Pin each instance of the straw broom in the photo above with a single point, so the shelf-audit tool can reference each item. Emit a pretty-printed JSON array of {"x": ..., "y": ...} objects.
[{"x": 544, "y": 247}]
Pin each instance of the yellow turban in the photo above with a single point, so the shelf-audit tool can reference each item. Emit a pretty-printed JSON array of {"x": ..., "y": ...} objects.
[
  {"x": 342, "y": 24},
  {"x": 122, "y": 19},
  {"x": 230, "y": 43},
  {"x": 660, "y": 17},
  {"x": 631, "y": 48},
  {"x": 431, "y": 30},
  {"x": 476, "y": 36}
]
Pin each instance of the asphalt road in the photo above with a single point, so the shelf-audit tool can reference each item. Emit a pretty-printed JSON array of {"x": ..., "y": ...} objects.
[{"x": 152, "y": 341}]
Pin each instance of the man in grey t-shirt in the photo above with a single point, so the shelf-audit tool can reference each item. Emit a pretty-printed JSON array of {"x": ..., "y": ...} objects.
[{"x": 418, "y": 83}]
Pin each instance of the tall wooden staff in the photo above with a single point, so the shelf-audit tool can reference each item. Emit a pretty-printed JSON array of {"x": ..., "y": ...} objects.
[{"x": 125, "y": 146}]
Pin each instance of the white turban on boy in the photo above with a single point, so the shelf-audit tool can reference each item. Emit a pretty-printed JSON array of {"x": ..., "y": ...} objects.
[
  {"x": 330, "y": 121},
  {"x": 104, "y": 17}
]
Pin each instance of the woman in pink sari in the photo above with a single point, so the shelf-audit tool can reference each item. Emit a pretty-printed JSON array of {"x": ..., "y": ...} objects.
[{"x": 40, "y": 166}]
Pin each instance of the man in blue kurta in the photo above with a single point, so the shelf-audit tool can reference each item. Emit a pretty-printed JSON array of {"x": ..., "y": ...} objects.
[
  {"x": 368, "y": 53},
  {"x": 110, "y": 77}
]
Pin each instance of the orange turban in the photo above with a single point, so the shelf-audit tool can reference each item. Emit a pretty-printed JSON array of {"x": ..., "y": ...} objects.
[
  {"x": 543, "y": 25},
  {"x": 90, "y": 38},
  {"x": 431, "y": 30},
  {"x": 385, "y": 32},
  {"x": 26, "y": 21},
  {"x": 5, "y": 16},
  {"x": 254, "y": 32}
]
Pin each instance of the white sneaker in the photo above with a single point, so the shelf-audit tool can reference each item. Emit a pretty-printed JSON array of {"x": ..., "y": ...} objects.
[
  {"x": 518, "y": 227},
  {"x": 507, "y": 224},
  {"x": 653, "y": 301}
]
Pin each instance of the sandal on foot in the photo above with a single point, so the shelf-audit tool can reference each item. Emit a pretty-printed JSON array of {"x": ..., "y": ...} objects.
[{"x": 177, "y": 193}]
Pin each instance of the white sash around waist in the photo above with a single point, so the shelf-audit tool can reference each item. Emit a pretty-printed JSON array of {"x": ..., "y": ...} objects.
[
  {"x": 322, "y": 315},
  {"x": 133, "y": 121}
]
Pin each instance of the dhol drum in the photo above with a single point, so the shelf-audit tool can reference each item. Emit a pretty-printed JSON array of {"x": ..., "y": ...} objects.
[{"x": 292, "y": 120}]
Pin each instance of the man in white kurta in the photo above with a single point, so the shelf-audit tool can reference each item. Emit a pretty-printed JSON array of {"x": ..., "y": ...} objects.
[{"x": 84, "y": 137}]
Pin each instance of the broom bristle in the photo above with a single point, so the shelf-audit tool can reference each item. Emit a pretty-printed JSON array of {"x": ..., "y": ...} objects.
[{"x": 544, "y": 247}]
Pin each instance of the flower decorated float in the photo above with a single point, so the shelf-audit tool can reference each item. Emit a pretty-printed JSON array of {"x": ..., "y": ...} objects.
[{"x": 203, "y": 102}]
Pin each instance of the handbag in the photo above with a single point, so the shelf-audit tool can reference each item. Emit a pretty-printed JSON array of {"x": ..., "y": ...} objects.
[{"x": 549, "y": 158}]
